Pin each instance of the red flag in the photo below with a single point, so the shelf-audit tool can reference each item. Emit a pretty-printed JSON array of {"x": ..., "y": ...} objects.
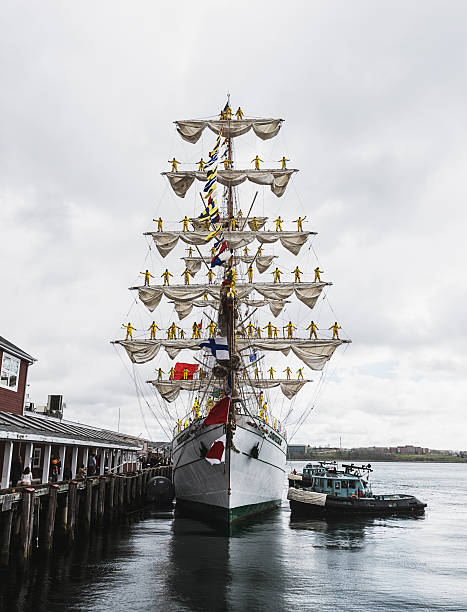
[
  {"x": 219, "y": 412},
  {"x": 179, "y": 367},
  {"x": 216, "y": 454}
]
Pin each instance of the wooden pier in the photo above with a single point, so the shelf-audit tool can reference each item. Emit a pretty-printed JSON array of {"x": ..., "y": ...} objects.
[{"x": 43, "y": 515}]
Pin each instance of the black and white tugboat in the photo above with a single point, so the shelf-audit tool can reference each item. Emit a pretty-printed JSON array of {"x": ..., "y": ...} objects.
[{"x": 323, "y": 489}]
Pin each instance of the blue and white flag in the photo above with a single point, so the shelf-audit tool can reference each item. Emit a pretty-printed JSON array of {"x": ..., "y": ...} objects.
[
  {"x": 253, "y": 357},
  {"x": 217, "y": 347}
]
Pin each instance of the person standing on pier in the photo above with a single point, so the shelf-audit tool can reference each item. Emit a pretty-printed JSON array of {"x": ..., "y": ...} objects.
[{"x": 16, "y": 470}]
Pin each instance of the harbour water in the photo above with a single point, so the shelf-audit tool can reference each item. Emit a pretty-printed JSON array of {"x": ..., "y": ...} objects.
[{"x": 156, "y": 562}]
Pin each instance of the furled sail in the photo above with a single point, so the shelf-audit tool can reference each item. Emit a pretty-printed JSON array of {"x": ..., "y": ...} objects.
[
  {"x": 292, "y": 241},
  {"x": 276, "y": 179},
  {"x": 170, "y": 389},
  {"x": 193, "y": 264},
  {"x": 263, "y": 128},
  {"x": 242, "y": 222},
  {"x": 314, "y": 353},
  {"x": 308, "y": 293}
]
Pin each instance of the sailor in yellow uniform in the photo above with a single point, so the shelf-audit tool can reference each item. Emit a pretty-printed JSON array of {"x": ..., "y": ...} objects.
[
  {"x": 240, "y": 214},
  {"x": 233, "y": 223},
  {"x": 181, "y": 334},
  {"x": 250, "y": 328},
  {"x": 287, "y": 372},
  {"x": 335, "y": 330},
  {"x": 222, "y": 115},
  {"x": 299, "y": 223},
  {"x": 317, "y": 274},
  {"x": 297, "y": 273},
  {"x": 129, "y": 331},
  {"x": 260, "y": 251},
  {"x": 201, "y": 163},
  {"x": 277, "y": 275},
  {"x": 166, "y": 276},
  {"x": 271, "y": 372},
  {"x": 172, "y": 373},
  {"x": 212, "y": 329},
  {"x": 254, "y": 224},
  {"x": 278, "y": 223},
  {"x": 260, "y": 398},
  {"x": 172, "y": 332},
  {"x": 213, "y": 251},
  {"x": 160, "y": 371},
  {"x": 270, "y": 328},
  {"x": 195, "y": 330},
  {"x": 159, "y": 224},
  {"x": 147, "y": 275},
  {"x": 185, "y": 222},
  {"x": 227, "y": 164},
  {"x": 210, "y": 275},
  {"x": 239, "y": 114},
  {"x": 300, "y": 374},
  {"x": 284, "y": 161},
  {"x": 228, "y": 113},
  {"x": 174, "y": 163},
  {"x": 289, "y": 327},
  {"x": 244, "y": 373},
  {"x": 190, "y": 251},
  {"x": 256, "y": 161},
  {"x": 186, "y": 276},
  {"x": 275, "y": 330},
  {"x": 205, "y": 296},
  {"x": 250, "y": 274},
  {"x": 179, "y": 425},
  {"x": 153, "y": 328},
  {"x": 256, "y": 373},
  {"x": 209, "y": 405},
  {"x": 185, "y": 373},
  {"x": 313, "y": 328},
  {"x": 258, "y": 332},
  {"x": 245, "y": 251}
]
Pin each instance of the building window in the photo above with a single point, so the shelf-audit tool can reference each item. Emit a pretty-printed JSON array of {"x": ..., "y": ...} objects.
[
  {"x": 9, "y": 373},
  {"x": 36, "y": 458}
]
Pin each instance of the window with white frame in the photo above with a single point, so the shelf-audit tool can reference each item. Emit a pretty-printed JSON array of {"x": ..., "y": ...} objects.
[
  {"x": 36, "y": 458},
  {"x": 9, "y": 372}
]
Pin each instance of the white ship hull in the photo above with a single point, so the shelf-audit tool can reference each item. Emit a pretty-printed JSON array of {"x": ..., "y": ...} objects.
[{"x": 241, "y": 486}]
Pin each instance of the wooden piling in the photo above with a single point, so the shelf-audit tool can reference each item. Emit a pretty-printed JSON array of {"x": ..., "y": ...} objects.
[
  {"x": 5, "y": 536},
  {"x": 110, "y": 497},
  {"x": 27, "y": 513},
  {"x": 88, "y": 504},
  {"x": 72, "y": 506},
  {"x": 101, "y": 499},
  {"x": 51, "y": 512},
  {"x": 121, "y": 491}
]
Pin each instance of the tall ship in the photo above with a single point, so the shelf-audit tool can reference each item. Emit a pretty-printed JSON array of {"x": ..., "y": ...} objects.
[{"x": 228, "y": 444}]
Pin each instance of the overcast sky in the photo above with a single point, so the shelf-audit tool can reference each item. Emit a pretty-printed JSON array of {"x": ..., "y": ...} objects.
[{"x": 374, "y": 98}]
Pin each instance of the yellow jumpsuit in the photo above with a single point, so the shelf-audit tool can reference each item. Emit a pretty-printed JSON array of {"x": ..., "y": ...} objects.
[
  {"x": 172, "y": 374},
  {"x": 153, "y": 328},
  {"x": 212, "y": 330},
  {"x": 256, "y": 161},
  {"x": 335, "y": 331},
  {"x": 185, "y": 222},
  {"x": 289, "y": 327},
  {"x": 317, "y": 275},
  {"x": 254, "y": 225},
  {"x": 147, "y": 275},
  {"x": 129, "y": 331},
  {"x": 270, "y": 328},
  {"x": 284, "y": 161},
  {"x": 159, "y": 374},
  {"x": 297, "y": 273},
  {"x": 186, "y": 276},
  {"x": 174, "y": 163},
  {"x": 300, "y": 374},
  {"x": 166, "y": 276},
  {"x": 278, "y": 223},
  {"x": 271, "y": 372},
  {"x": 277, "y": 275},
  {"x": 210, "y": 275},
  {"x": 239, "y": 114},
  {"x": 201, "y": 165},
  {"x": 250, "y": 274},
  {"x": 313, "y": 327},
  {"x": 299, "y": 223},
  {"x": 287, "y": 372},
  {"x": 250, "y": 329},
  {"x": 159, "y": 224}
]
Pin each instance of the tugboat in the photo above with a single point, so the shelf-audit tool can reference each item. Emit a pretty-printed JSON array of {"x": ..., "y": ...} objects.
[{"x": 325, "y": 490}]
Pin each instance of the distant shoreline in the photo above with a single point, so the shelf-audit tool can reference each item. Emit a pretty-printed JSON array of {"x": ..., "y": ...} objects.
[{"x": 349, "y": 456}]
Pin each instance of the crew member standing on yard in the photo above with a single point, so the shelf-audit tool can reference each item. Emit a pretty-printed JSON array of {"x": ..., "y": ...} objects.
[
  {"x": 297, "y": 273},
  {"x": 335, "y": 330},
  {"x": 317, "y": 274},
  {"x": 129, "y": 331},
  {"x": 166, "y": 276},
  {"x": 174, "y": 163},
  {"x": 278, "y": 223},
  {"x": 299, "y": 223},
  {"x": 313, "y": 327},
  {"x": 256, "y": 161},
  {"x": 147, "y": 275},
  {"x": 153, "y": 328},
  {"x": 284, "y": 161}
]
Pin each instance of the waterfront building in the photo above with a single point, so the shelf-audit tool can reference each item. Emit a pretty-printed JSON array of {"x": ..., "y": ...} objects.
[{"x": 38, "y": 438}]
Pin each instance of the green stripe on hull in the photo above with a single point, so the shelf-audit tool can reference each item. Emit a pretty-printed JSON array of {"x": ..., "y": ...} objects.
[{"x": 225, "y": 516}]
